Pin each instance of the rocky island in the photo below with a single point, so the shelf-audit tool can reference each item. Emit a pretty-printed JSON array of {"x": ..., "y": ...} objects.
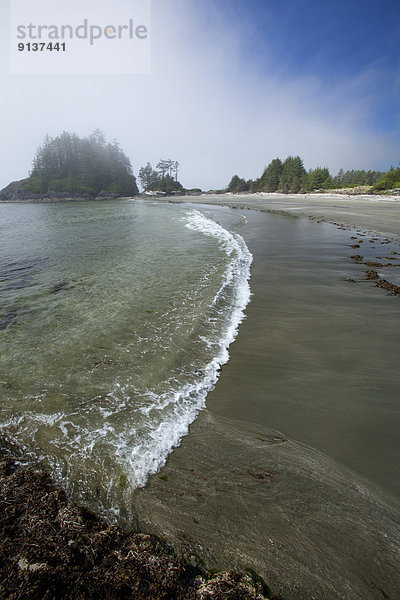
[{"x": 68, "y": 167}]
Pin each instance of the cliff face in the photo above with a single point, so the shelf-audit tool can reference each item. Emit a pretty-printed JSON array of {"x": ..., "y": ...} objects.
[{"x": 16, "y": 191}]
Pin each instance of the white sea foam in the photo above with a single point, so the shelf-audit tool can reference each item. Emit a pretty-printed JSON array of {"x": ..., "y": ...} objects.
[
  {"x": 105, "y": 428},
  {"x": 150, "y": 453}
]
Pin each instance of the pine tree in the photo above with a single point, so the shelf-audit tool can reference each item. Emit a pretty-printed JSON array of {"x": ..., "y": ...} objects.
[
  {"x": 294, "y": 175},
  {"x": 237, "y": 185},
  {"x": 319, "y": 178},
  {"x": 145, "y": 176},
  {"x": 269, "y": 180},
  {"x": 68, "y": 163}
]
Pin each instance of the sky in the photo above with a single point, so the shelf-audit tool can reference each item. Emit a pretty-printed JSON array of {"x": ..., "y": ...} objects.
[{"x": 232, "y": 85}]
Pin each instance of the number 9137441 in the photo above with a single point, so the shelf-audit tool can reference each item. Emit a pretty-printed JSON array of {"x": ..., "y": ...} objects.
[{"x": 42, "y": 47}]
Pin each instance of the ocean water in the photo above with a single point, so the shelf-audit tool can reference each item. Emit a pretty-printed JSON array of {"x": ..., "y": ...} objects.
[{"x": 115, "y": 318}]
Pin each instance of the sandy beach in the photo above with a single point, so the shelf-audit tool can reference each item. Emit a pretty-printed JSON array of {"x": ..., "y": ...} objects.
[
  {"x": 292, "y": 470},
  {"x": 378, "y": 213}
]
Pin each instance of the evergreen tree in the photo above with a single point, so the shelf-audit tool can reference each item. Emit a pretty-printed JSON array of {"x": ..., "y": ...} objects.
[
  {"x": 237, "y": 185},
  {"x": 165, "y": 179},
  {"x": 389, "y": 181},
  {"x": 339, "y": 178},
  {"x": 68, "y": 163},
  {"x": 356, "y": 177},
  {"x": 167, "y": 184},
  {"x": 148, "y": 177},
  {"x": 163, "y": 167},
  {"x": 270, "y": 179},
  {"x": 294, "y": 175},
  {"x": 253, "y": 185},
  {"x": 319, "y": 178},
  {"x": 176, "y": 169}
]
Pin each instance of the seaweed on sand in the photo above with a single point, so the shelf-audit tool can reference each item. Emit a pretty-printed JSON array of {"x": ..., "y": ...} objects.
[{"x": 53, "y": 549}]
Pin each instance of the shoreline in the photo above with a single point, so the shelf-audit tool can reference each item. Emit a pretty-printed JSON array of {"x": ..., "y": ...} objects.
[
  {"x": 366, "y": 211},
  {"x": 251, "y": 492},
  {"x": 264, "y": 499},
  {"x": 56, "y": 549},
  {"x": 325, "y": 207}
]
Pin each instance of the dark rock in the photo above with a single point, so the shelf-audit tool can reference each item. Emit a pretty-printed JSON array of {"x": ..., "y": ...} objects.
[
  {"x": 16, "y": 191},
  {"x": 106, "y": 195}
]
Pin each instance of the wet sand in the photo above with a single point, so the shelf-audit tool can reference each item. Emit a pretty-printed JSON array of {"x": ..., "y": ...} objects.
[
  {"x": 376, "y": 213},
  {"x": 292, "y": 469}
]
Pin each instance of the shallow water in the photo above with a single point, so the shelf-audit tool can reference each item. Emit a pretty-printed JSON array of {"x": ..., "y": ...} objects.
[{"x": 116, "y": 318}]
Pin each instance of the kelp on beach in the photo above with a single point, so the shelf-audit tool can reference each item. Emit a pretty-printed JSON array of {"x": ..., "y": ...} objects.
[{"x": 52, "y": 549}]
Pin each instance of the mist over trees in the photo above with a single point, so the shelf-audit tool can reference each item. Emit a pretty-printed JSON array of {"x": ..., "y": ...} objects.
[
  {"x": 163, "y": 178},
  {"x": 91, "y": 166},
  {"x": 88, "y": 165},
  {"x": 290, "y": 177}
]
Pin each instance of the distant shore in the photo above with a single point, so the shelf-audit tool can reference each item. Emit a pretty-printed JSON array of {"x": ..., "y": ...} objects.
[
  {"x": 378, "y": 213},
  {"x": 58, "y": 198}
]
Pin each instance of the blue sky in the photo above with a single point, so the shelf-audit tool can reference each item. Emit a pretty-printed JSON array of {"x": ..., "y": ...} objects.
[
  {"x": 331, "y": 40},
  {"x": 233, "y": 84}
]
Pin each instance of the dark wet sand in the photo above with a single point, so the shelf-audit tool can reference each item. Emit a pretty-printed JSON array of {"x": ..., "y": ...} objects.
[{"x": 292, "y": 469}]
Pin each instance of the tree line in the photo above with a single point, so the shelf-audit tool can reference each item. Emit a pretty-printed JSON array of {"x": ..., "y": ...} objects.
[
  {"x": 163, "y": 178},
  {"x": 68, "y": 163},
  {"x": 290, "y": 176},
  {"x": 90, "y": 165}
]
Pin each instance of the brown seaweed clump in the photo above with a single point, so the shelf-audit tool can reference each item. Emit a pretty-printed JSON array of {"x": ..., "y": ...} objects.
[
  {"x": 382, "y": 283},
  {"x": 371, "y": 275},
  {"x": 356, "y": 257},
  {"x": 51, "y": 549},
  {"x": 371, "y": 263},
  {"x": 390, "y": 287}
]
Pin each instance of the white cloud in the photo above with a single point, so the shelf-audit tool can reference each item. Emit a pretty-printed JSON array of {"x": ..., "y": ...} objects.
[{"x": 201, "y": 105}]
